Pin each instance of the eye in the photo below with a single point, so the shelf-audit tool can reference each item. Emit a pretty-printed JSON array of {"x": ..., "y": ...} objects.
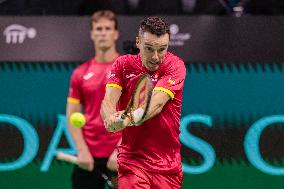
[
  {"x": 161, "y": 50},
  {"x": 108, "y": 28},
  {"x": 149, "y": 49},
  {"x": 99, "y": 28}
]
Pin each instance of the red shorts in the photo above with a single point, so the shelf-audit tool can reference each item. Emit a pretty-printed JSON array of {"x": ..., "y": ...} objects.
[{"x": 132, "y": 177}]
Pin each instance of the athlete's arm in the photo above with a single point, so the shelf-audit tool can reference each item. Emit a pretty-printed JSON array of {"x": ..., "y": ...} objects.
[
  {"x": 109, "y": 102},
  {"x": 158, "y": 101},
  {"x": 85, "y": 159},
  {"x": 108, "y": 107},
  {"x": 110, "y": 116}
]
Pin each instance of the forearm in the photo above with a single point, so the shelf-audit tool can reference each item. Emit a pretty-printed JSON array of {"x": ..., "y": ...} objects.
[
  {"x": 76, "y": 133},
  {"x": 108, "y": 106},
  {"x": 154, "y": 110},
  {"x": 77, "y": 136},
  {"x": 158, "y": 101}
]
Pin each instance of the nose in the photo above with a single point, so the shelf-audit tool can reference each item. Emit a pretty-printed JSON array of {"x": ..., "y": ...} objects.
[
  {"x": 155, "y": 56},
  {"x": 103, "y": 32}
]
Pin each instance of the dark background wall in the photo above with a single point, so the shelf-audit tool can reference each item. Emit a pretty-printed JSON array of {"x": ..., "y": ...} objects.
[{"x": 139, "y": 7}]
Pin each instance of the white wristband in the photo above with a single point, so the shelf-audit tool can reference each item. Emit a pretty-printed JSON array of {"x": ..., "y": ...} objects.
[{"x": 137, "y": 115}]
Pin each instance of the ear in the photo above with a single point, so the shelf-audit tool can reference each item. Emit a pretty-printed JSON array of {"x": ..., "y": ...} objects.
[
  {"x": 91, "y": 36},
  {"x": 91, "y": 30},
  {"x": 116, "y": 35},
  {"x": 137, "y": 42}
]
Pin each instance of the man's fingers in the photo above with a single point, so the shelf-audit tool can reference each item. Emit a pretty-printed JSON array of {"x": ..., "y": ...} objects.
[
  {"x": 86, "y": 166},
  {"x": 114, "y": 123},
  {"x": 91, "y": 167}
]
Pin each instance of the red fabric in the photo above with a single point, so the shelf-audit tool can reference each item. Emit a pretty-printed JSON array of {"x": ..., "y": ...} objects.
[
  {"x": 154, "y": 145},
  {"x": 133, "y": 177},
  {"x": 88, "y": 85}
]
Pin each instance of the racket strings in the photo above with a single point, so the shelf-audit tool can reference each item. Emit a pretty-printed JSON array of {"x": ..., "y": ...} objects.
[
  {"x": 139, "y": 103},
  {"x": 140, "y": 100}
]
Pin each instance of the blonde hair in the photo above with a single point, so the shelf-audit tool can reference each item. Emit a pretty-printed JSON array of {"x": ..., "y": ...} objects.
[{"x": 105, "y": 14}]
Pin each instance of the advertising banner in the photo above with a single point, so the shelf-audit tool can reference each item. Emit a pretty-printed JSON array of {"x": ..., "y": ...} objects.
[
  {"x": 231, "y": 126},
  {"x": 195, "y": 38}
]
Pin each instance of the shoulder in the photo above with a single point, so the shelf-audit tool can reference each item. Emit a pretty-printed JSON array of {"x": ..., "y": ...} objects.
[
  {"x": 172, "y": 59},
  {"x": 81, "y": 69},
  {"x": 174, "y": 62},
  {"x": 125, "y": 61},
  {"x": 127, "y": 58}
]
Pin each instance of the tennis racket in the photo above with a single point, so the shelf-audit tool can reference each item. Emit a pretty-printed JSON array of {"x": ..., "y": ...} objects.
[
  {"x": 139, "y": 103},
  {"x": 111, "y": 181}
]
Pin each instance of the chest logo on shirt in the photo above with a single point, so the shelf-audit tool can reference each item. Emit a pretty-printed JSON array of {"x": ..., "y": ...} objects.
[
  {"x": 130, "y": 75},
  {"x": 88, "y": 76},
  {"x": 155, "y": 77},
  {"x": 172, "y": 82},
  {"x": 110, "y": 75}
]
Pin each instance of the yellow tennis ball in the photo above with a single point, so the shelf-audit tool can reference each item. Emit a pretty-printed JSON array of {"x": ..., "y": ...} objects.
[{"x": 77, "y": 119}]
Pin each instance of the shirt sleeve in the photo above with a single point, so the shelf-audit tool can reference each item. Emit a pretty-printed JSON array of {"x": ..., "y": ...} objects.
[
  {"x": 173, "y": 79},
  {"x": 74, "y": 94},
  {"x": 115, "y": 79}
]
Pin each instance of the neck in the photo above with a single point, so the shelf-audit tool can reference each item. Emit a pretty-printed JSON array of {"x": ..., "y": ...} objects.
[{"x": 106, "y": 56}]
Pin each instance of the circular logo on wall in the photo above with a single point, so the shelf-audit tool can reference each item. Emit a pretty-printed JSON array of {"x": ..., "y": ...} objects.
[
  {"x": 174, "y": 29},
  {"x": 177, "y": 38}
]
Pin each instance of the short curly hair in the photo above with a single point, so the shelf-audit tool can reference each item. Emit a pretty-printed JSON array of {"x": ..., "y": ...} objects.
[{"x": 154, "y": 25}]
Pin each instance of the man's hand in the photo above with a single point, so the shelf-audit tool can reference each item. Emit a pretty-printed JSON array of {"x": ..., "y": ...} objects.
[
  {"x": 112, "y": 161},
  {"x": 85, "y": 160},
  {"x": 115, "y": 123}
]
